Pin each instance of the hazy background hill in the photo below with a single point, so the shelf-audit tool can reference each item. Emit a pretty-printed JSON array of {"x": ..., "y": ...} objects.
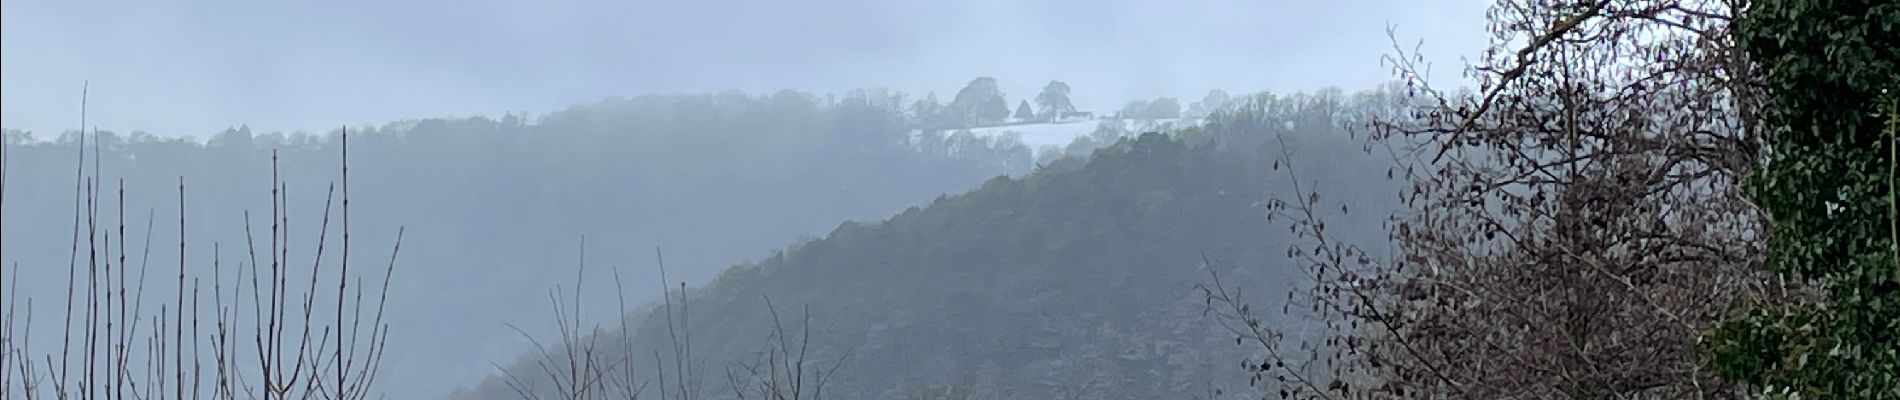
[
  {"x": 495, "y": 207},
  {"x": 1077, "y": 279}
]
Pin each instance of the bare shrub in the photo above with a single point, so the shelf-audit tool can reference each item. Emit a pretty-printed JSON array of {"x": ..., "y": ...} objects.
[
  {"x": 782, "y": 371},
  {"x": 277, "y": 351},
  {"x": 594, "y": 363},
  {"x": 577, "y": 367}
]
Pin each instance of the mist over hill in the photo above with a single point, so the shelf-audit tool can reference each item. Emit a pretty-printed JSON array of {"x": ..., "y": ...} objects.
[
  {"x": 493, "y": 207},
  {"x": 1075, "y": 280}
]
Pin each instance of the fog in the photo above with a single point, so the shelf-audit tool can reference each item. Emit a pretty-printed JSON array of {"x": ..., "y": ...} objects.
[
  {"x": 196, "y": 67},
  {"x": 504, "y": 137}
]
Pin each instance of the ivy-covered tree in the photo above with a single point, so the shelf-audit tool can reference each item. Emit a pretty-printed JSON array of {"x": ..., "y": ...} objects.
[{"x": 1832, "y": 69}]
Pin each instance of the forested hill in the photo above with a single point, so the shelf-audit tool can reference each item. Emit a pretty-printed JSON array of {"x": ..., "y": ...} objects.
[
  {"x": 1076, "y": 280},
  {"x": 493, "y": 206}
]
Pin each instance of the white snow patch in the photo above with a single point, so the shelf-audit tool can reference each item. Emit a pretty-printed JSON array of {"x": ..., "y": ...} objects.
[{"x": 1059, "y": 134}]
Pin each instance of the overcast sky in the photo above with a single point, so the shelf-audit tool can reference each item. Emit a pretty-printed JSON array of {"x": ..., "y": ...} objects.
[{"x": 176, "y": 67}]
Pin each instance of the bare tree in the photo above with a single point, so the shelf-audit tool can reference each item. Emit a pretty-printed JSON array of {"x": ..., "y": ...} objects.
[{"x": 1570, "y": 228}]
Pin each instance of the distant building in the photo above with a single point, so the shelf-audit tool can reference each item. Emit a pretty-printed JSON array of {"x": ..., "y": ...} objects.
[{"x": 1077, "y": 115}]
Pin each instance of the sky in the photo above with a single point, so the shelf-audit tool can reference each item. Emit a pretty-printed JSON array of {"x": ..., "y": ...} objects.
[{"x": 179, "y": 67}]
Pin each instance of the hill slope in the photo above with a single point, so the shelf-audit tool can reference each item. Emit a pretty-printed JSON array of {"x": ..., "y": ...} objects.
[{"x": 1075, "y": 280}]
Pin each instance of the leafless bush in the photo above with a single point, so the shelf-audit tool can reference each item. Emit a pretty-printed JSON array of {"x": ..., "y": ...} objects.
[
  {"x": 577, "y": 367},
  {"x": 780, "y": 372},
  {"x": 580, "y": 366},
  {"x": 291, "y": 354}
]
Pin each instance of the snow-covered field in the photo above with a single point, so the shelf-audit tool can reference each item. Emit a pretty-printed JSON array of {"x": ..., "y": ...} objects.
[{"x": 1061, "y": 133}]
